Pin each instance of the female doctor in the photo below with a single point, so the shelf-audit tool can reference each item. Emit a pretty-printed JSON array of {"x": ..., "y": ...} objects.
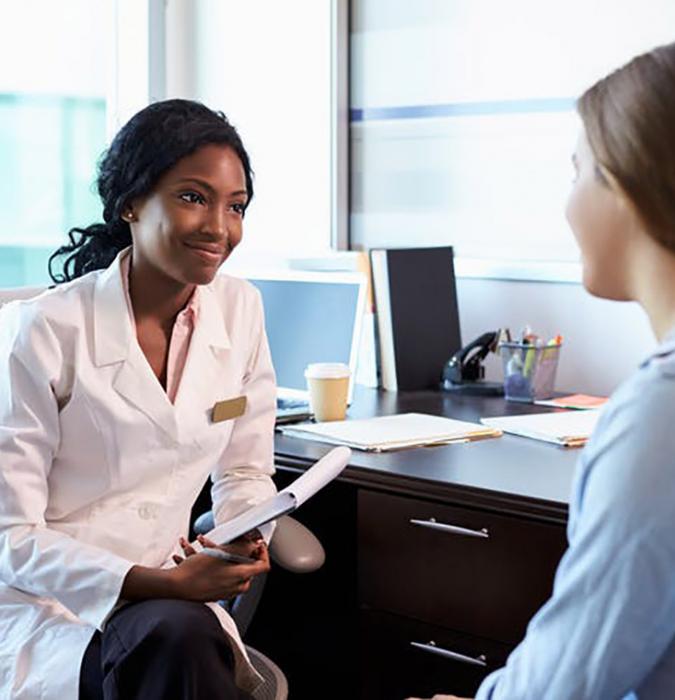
[
  {"x": 107, "y": 430},
  {"x": 608, "y": 631}
]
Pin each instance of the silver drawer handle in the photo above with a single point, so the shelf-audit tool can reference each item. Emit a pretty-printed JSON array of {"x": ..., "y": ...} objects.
[
  {"x": 447, "y": 654},
  {"x": 454, "y": 529}
]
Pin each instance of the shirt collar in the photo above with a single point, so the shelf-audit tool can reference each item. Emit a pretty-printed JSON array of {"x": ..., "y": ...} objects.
[
  {"x": 114, "y": 327},
  {"x": 188, "y": 314},
  {"x": 665, "y": 348}
]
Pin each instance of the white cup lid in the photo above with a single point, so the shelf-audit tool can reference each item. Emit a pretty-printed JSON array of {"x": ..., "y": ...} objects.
[{"x": 327, "y": 370}]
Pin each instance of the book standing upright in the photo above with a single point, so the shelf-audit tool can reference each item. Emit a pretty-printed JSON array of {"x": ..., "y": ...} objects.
[{"x": 417, "y": 317}]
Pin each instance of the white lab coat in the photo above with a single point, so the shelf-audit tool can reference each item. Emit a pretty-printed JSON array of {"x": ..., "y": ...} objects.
[{"x": 98, "y": 470}]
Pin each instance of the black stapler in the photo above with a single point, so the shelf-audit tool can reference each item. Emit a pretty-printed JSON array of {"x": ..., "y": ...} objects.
[{"x": 464, "y": 371}]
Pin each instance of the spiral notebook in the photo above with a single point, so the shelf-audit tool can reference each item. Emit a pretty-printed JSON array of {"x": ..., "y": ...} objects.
[{"x": 386, "y": 433}]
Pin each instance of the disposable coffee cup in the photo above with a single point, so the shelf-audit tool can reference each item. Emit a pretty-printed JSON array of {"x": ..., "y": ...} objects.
[{"x": 328, "y": 384}]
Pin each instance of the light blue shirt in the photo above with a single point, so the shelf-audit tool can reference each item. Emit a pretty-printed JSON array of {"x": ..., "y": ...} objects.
[{"x": 608, "y": 631}]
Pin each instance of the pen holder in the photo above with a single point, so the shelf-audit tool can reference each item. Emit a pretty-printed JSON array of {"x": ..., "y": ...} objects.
[{"x": 529, "y": 371}]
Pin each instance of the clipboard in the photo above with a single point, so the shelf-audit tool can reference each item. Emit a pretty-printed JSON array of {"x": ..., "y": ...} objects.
[
  {"x": 389, "y": 433},
  {"x": 286, "y": 501}
]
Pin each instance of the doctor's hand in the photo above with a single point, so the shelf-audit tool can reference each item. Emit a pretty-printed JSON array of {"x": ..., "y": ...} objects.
[
  {"x": 204, "y": 578},
  {"x": 198, "y": 576},
  {"x": 248, "y": 545}
]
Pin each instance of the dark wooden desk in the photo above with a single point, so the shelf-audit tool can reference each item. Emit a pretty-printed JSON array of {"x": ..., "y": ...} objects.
[{"x": 403, "y": 608}]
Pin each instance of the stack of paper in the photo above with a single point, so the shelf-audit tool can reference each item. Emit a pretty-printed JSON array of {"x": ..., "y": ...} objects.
[
  {"x": 567, "y": 428},
  {"x": 386, "y": 433}
]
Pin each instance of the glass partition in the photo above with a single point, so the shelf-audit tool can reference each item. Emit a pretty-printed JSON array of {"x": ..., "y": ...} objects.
[{"x": 463, "y": 121}]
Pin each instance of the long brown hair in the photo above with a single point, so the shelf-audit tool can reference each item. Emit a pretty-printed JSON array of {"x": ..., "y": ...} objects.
[{"x": 629, "y": 118}]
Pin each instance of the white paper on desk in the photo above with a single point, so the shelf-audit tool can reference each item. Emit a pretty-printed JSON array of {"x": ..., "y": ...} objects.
[
  {"x": 561, "y": 427},
  {"x": 287, "y": 500},
  {"x": 384, "y": 433}
]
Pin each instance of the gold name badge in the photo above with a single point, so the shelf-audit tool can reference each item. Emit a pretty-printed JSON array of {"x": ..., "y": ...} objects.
[{"x": 228, "y": 409}]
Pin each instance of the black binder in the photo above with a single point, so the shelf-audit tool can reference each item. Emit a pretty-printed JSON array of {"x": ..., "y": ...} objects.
[{"x": 417, "y": 317}]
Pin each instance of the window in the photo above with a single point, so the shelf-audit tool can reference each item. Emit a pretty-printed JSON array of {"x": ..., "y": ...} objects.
[
  {"x": 463, "y": 119},
  {"x": 52, "y": 129},
  {"x": 269, "y": 70}
]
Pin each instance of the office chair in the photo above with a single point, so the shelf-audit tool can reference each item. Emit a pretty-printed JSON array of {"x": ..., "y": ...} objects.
[
  {"x": 293, "y": 547},
  {"x": 19, "y": 293}
]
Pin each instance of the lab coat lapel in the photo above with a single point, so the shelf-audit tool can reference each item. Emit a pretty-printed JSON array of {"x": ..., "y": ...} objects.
[
  {"x": 115, "y": 342},
  {"x": 136, "y": 382},
  {"x": 206, "y": 364}
]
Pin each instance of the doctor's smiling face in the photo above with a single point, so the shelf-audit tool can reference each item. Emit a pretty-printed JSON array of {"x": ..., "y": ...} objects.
[
  {"x": 190, "y": 222},
  {"x": 174, "y": 183}
]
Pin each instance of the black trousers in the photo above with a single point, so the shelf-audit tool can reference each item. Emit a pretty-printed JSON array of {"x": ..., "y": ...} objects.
[{"x": 160, "y": 650}]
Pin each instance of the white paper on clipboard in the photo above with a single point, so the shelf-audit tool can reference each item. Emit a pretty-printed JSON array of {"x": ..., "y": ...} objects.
[{"x": 287, "y": 500}]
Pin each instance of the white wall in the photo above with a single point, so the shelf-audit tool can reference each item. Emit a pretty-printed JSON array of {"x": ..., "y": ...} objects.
[{"x": 604, "y": 341}]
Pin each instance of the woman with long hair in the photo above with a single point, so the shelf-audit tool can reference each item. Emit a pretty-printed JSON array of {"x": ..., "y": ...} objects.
[
  {"x": 107, "y": 430},
  {"x": 608, "y": 631}
]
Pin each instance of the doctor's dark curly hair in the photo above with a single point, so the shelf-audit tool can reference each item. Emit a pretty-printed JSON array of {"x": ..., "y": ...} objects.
[{"x": 148, "y": 145}]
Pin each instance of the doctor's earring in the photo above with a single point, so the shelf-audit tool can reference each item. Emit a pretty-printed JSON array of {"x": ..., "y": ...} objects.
[{"x": 128, "y": 216}]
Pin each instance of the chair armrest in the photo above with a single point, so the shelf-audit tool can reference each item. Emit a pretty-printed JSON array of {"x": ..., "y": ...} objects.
[
  {"x": 204, "y": 523},
  {"x": 295, "y": 548}
]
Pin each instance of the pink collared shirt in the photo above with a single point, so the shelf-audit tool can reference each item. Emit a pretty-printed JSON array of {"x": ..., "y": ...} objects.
[{"x": 179, "y": 343}]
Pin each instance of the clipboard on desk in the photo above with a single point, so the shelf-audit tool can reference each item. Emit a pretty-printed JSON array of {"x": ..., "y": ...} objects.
[{"x": 389, "y": 433}]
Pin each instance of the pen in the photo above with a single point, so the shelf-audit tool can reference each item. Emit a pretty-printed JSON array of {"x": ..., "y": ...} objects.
[{"x": 227, "y": 556}]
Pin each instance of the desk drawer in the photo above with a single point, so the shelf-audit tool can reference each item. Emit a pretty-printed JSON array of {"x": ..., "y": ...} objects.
[
  {"x": 466, "y": 570},
  {"x": 399, "y": 658}
]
